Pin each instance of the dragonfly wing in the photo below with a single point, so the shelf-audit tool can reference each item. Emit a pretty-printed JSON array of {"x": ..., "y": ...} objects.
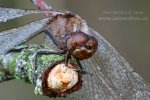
[
  {"x": 14, "y": 37},
  {"x": 94, "y": 88},
  {"x": 112, "y": 75},
  {"x": 11, "y": 13}
]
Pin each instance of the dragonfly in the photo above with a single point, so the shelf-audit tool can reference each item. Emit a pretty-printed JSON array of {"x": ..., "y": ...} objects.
[{"x": 112, "y": 76}]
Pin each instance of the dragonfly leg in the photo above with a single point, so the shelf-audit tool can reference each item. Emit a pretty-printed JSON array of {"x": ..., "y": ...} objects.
[
  {"x": 51, "y": 36},
  {"x": 81, "y": 70},
  {"x": 35, "y": 61},
  {"x": 67, "y": 58},
  {"x": 61, "y": 51},
  {"x": 18, "y": 48}
]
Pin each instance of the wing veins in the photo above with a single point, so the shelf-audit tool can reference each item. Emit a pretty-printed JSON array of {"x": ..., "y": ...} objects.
[{"x": 13, "y": 37}]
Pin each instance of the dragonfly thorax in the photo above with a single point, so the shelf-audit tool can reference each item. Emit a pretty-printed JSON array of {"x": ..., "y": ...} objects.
[{"x": 70, "y": 33}]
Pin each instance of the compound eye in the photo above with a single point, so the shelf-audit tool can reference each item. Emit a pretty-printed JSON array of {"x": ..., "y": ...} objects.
[
  {"x": 88, "y": 47},
  {"x": 81, "y": 45}
]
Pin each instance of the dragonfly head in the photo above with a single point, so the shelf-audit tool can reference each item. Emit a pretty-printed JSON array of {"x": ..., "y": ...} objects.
[{"x": 81, "y": 45}]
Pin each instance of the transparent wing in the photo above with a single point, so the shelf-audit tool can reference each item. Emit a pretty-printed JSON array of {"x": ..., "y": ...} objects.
[
  {"x": 13, "y": 37},
  {"x": 112, "y": 77},
  {"x": 11, "y": 13},
  {"x": 112, "y": 72},
  {"x": 94, "y": 87}
]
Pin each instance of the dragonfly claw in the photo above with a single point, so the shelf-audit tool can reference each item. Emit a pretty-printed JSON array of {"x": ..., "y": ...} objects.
[{"x": 83, "y": 72}]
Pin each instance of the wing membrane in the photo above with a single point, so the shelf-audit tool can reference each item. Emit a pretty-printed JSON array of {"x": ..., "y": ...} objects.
[
  {"x": 11, "y": 13},
  {"x": 108, "y": 66},
  {"x": 112, "y": 77},
  {"x": 94, "y": 87},
  {"x": 13, "y": 37}
]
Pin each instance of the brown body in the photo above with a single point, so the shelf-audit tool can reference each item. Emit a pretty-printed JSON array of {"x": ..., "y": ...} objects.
[
  {"x": 62, "y": 26},
  {"x": 69, "y": 32}
]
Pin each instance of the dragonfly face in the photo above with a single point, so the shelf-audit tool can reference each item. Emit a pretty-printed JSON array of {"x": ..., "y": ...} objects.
[
  {"x": 70, "y": 34},
  {"x": 82, "y": 46}
]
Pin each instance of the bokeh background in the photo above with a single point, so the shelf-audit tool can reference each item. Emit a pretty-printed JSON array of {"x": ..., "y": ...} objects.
[{"x": 131, "y": 38}]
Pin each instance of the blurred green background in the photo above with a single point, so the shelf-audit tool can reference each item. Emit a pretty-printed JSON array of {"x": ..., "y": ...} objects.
[{"x": 131, "y": 38}]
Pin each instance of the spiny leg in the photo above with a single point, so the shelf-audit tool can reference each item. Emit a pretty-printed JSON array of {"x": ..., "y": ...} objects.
[
  {"x": 81, "y": 70},
  {"x": 34, "y": 77},
  {"x": 67, "y": 58},
  {"x": 43, "y": 6},
  {"x": 62, "y": 51},
  {"x": 67, "y": 54},
  {"x": 51, "y": 37}
]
